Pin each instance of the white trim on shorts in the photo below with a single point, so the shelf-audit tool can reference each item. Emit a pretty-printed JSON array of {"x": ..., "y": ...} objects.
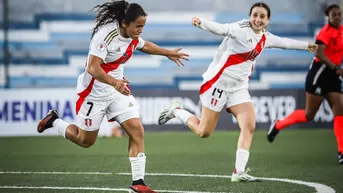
[
  {"x": 319, "y": 72},
  {"x": 127, "y": 116}
]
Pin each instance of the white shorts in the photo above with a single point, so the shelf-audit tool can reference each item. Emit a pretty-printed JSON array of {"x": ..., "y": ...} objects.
[
  {"x": 119, "y": 107},
  {"x": 215, "y": 99}
]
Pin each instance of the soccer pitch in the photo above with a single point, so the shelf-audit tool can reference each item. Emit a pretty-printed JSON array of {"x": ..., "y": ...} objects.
[{"x": 298, "y": 161}]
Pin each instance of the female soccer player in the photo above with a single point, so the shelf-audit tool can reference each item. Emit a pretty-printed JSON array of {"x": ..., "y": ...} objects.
[
  {"x": 323, "y": 80},
  {"x": 102, "y": 88},
  {"x": 225, "y": 82}
]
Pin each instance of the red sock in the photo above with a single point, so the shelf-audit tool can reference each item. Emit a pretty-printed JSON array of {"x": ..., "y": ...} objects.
[
  {"x": 298, "y": 116},
  {"x": 338, "y": 129}
]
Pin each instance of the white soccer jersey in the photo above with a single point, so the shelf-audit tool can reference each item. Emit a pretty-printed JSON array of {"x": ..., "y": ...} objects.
[
  {"x": 235, "y": 57},
  {"x": 115, "y": 50}
]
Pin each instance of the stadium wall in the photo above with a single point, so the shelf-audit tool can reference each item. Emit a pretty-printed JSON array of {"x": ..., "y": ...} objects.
[{"x": 21, "y": 109}]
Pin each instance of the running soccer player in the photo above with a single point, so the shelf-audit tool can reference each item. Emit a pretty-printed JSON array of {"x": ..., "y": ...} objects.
[
  {"x": 102, "y": 89},
  {"x": 225, "y": 83}
]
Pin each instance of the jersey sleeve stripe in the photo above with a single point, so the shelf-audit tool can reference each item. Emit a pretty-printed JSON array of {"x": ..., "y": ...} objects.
[
  {"x": 109, "y": 35},
  {"x": 245, "y": 23},
  {"x": 114, "y": 34},
  {"x": 244, "y": 26}
]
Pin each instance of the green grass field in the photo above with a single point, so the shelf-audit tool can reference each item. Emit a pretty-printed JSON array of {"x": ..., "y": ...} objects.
[{"x": 297, "y": 155}]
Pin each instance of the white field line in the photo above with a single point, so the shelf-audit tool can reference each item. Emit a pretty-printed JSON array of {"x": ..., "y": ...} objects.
[
  {"x": 92, "y": 188},
  {"x": 320, "y": 188},
  {"x": 57, "y": 173}
]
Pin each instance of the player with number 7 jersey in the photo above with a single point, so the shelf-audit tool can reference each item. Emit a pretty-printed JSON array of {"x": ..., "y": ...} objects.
[
  {"x": 102, "y": 89},
  {"x": 225, "y": 83}
]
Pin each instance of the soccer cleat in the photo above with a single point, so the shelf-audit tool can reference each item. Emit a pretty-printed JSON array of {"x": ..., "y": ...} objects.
[
  {"x": 167, "y": 114},
  {"x": 340, "y": 158},
  {"x": 272, "y": 132},
  {"x": 47, "y": 121},
  {"x": 140, "y": 189},
  {"x": 243, "y": 177}
]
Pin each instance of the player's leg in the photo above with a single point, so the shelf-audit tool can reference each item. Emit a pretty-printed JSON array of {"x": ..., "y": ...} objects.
[
  {"x": 245, "y": 116},
  {"x": 71, "y": 132},
  {"x": 135, "y": 131},
  {"x": 335, "y": 100},
  {"x": 315, "y": 87},
  {"x": 213, "y": 100},
  {"x": 313, "y": 103},
  {"x": 80, "y": 136},
  {"x": 125, "y": 110},
  {"x": 241, "y": 107},
  {"x": 84, "y": 134},
  {"x": 205, "y": 126},
  {"x": 202, "y": 127}
]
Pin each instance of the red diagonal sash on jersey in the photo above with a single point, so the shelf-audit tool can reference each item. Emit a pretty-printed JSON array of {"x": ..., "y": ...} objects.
[
  {"x": 234, "y": 60},
  {"x": 107, "y": 67}
]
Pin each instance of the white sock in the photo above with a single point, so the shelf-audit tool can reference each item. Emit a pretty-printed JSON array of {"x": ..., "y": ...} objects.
[
  {"x": 60, "y": 126},
  {"x": 182, "y": 115},
  {"x": 242, "y": 157},
  {"x": 138, "y": 166}
]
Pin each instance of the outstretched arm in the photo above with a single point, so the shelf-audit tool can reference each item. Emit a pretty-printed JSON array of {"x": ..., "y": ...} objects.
[
  {"x": 288, "y": 43},
  {"x": 210, "y": 26},
  {"x": 174, "y": 55}
]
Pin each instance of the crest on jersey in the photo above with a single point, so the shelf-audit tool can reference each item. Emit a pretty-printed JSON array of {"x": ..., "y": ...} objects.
[
  {"x": 214, "y": 102},
  {"x": 88, "y": 122},
  {"x": 100, "y": 47}
]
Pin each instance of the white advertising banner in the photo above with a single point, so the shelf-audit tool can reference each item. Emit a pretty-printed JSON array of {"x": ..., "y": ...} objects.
[{"x": 22, "y": 109}]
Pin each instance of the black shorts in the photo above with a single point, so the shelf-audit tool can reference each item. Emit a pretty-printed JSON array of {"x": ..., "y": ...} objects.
[{"x": 321, "y": 80}]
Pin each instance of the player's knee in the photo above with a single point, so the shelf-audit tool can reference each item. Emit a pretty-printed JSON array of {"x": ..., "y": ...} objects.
[
  {"x": 86, "y": 143},
  {"x": 137, "y": 136},
  {"x": 251, "y": 126},
  {"x": 204, "y": 134},
  {"x": 137, "y": 133}
]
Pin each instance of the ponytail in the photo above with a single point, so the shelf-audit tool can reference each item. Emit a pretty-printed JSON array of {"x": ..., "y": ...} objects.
[{"x": 120, "y": 11}]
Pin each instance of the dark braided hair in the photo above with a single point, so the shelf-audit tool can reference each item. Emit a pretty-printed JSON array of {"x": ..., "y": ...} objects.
[
  {"x": 120, "y": 11},
  {"x": 330, "y": 7}
]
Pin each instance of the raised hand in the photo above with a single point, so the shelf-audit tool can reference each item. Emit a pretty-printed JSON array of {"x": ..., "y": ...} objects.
[
  {"x": 312, "y": 47},
  {"x": 176, "y": 56},
  {"x": 196, "y": 21}
]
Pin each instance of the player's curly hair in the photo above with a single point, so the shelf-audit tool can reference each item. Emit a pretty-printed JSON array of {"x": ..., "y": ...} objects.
[
  {"x": 114, "y": 10},
  {"x": 330, "y": 7}
]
